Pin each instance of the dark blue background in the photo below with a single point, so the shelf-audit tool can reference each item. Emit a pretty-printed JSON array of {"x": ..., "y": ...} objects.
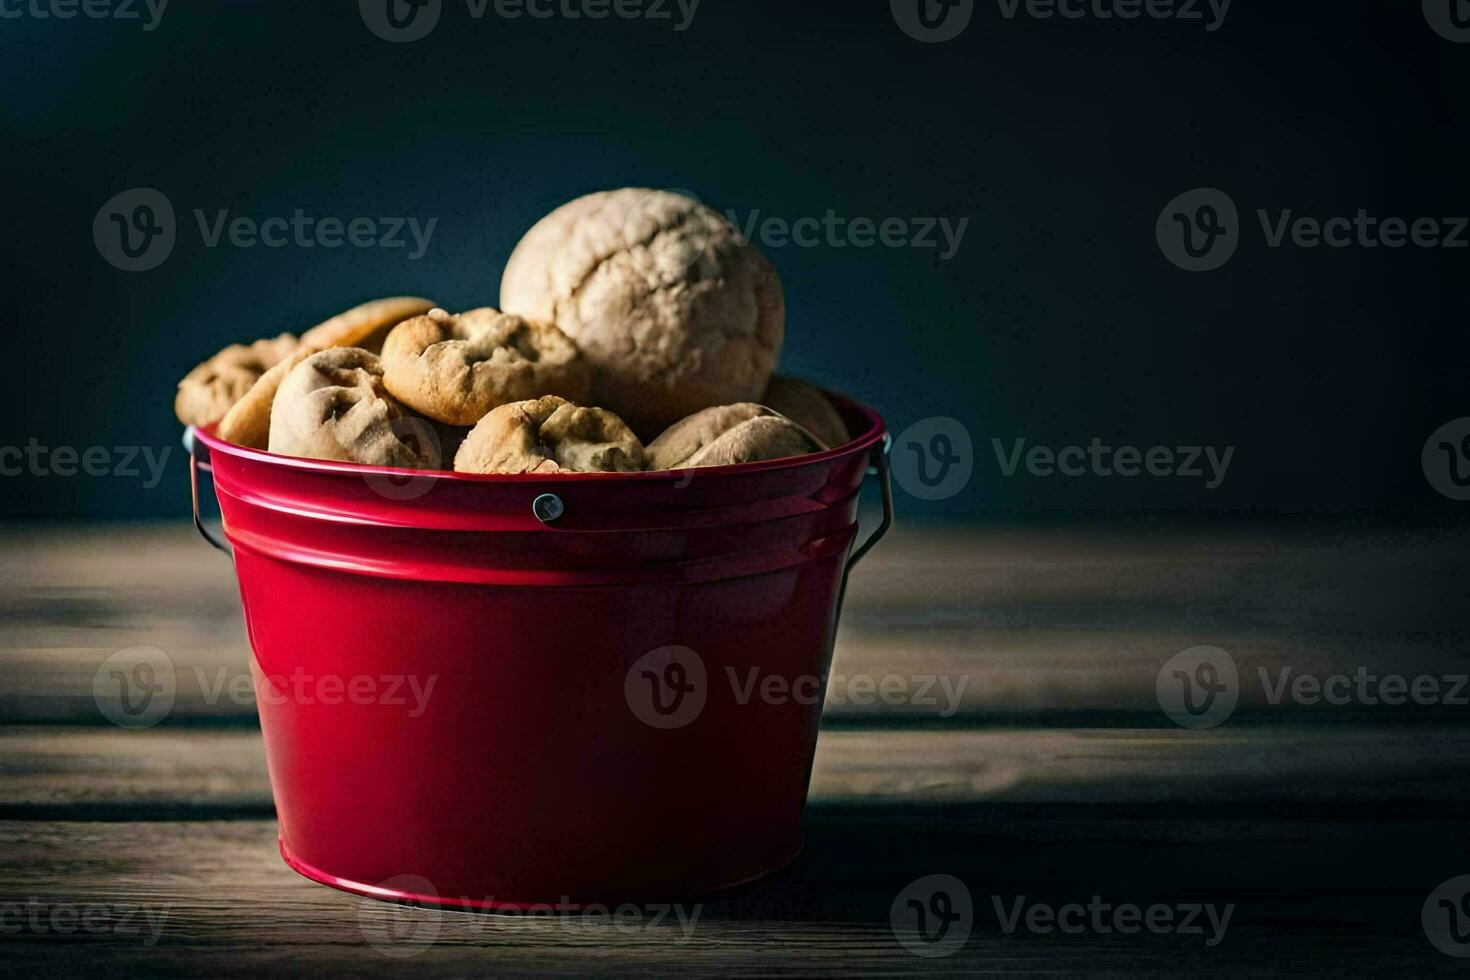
[{"x": 1057, "y": 321}]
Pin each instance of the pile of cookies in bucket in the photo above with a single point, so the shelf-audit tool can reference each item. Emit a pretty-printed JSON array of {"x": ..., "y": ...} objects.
[{"x": 636, "y": 330}]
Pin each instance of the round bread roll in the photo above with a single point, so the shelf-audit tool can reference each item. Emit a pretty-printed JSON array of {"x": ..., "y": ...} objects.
[
  {"x": 549, "y": 435},
  {"x": 209, "y": 391},
  {"x": 333, "y": 405},
  {"x": 729, "y": 434},
  {"x": 455, "y": 369},
  {"x": 808, "y": 408},
  {"x": 672, "y": 308}
]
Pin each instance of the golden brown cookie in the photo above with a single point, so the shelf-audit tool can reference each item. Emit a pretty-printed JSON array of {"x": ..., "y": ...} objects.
[
  {"x": 549, "y": 435},
  {"x": 672, "y": 308},
  {"x": 333, "y": 405},
  {"x": 808, "y": 408},
  {"x": 365, "y": 326},
  {"x": 209, "y": 391},
  {"x": 457, "y": 368},
  {"x": 729, "y": 434},
  {"x": 248, "y": 422}
]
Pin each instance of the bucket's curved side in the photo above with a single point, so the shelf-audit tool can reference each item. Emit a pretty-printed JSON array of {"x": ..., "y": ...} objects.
[{"x": 530, "y": 745}]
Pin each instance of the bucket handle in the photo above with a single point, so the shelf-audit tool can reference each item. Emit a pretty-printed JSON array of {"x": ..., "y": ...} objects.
[
  {"x": 199, "y": 460},
  {"x": 878, "y": 468}
]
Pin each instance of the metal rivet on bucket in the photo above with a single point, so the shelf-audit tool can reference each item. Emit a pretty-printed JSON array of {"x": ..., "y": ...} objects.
[{"x": 547, "y": 507}]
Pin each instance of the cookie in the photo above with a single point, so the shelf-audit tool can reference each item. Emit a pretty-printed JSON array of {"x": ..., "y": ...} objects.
[
  {"x": 808, "y": 408},
  {"x": 455, "y": 369},
  {"x": 365, "y": 326},
  {"x": 549, "y": 435},
  {"x": 334, "y": 405},
  {"x": 248, "y": 422},
  {"x": 729, "y": 434},
  {"x": 209, "y": 391}
]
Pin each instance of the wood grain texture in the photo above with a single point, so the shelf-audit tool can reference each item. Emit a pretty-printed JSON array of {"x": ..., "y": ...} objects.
[
  {"x": 1054, "y": 780},
  {"x": 1019, "y": 623},
  {"x": 1336, "y": 891},
  {"x": 89, "y": 774}
]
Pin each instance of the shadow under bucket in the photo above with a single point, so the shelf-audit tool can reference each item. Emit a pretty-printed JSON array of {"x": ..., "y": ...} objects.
[{"x": 500, "y": 691}]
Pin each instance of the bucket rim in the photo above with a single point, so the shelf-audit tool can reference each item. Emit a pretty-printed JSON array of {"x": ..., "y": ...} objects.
[{"x": 871, "y": 436}]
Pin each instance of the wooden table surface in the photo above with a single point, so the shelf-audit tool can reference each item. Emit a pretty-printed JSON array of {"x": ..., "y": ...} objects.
[{"x": 1051, "y": 778}]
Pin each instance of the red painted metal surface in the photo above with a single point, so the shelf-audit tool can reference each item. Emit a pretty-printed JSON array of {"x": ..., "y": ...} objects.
[{"x": 462, "y": 704}]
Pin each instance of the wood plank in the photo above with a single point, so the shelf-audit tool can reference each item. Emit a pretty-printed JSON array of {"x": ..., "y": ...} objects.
[
  {"x": 1308, "y": 896},
  {"x": 165, "y": 774},
  {"x": 1019, "y": 622}
]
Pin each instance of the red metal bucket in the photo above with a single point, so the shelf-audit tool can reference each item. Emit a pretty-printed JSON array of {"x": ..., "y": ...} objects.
[{"x": 498, "y": 691}]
